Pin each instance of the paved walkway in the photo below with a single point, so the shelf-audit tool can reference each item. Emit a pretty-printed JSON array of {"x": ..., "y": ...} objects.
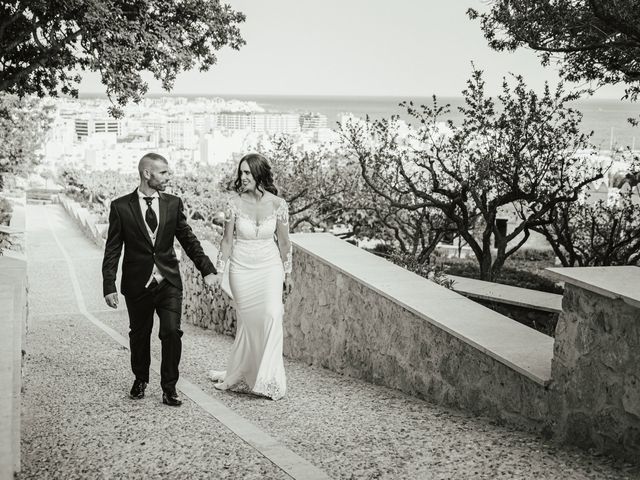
[{"x": 79, "y": 423}]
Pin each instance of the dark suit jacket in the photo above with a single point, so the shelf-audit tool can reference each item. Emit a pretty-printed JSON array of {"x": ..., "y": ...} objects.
[{"x": 126, "y": 226}]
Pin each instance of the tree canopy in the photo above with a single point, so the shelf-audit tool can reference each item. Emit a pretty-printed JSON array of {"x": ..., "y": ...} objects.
[
  {"x": 515, "y": 156},
  {"x": 23, "y": 125},
  {"x": 45, "y": 43},
  {"x": 593, "y": 40}
]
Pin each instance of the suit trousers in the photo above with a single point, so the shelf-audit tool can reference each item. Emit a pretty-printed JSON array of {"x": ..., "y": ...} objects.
[{"x": 165, "y": 300}]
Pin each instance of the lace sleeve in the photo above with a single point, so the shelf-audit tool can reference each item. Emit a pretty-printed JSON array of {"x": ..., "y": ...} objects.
[
  {"x": 286, "y": 251},
  {"x": 223, "y": 251},
  {"x": 282, "y": 214}
]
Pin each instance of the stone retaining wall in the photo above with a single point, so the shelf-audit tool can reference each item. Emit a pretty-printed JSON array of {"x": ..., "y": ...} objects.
[
  {"x": 541, "y": 320},
  {"x": 86, "y": 220},
  {"x": 203, "y": 306},
  {"x": 596, "y": 373},
  {"x": 336, "y": 322}
]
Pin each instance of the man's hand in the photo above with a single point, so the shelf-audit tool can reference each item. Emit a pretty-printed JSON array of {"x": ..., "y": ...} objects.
[
  {"x": 213, "y": 280},
  {"x": 112, "y": 299}
]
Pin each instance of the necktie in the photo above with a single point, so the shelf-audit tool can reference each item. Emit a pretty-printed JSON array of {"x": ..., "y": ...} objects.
[{"x": 150, "y": 215}]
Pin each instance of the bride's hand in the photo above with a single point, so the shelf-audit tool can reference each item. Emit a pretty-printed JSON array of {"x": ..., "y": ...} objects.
[{"x": 287, "y": 285}]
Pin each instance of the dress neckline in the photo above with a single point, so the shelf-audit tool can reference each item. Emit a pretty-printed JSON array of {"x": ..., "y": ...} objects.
[{"x": 258, "y": 222}]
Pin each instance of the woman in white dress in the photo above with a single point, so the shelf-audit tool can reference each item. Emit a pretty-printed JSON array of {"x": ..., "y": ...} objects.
[{"x": 256, "y": 247}]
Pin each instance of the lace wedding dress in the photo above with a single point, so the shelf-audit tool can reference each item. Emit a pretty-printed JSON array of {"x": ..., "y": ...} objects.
[{"x": 256, "y": 274}]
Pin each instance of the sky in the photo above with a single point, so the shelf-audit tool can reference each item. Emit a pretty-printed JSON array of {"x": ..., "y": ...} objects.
[{"x": 357, "y": 48}]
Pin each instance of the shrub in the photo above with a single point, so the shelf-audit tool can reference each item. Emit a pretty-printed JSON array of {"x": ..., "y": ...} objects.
[
  {"x": 508, "y": 276},
  {"x": 5, "y": 211}
]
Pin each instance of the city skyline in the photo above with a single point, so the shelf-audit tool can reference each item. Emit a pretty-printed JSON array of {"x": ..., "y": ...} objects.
[{"x": 366, "y": 48}]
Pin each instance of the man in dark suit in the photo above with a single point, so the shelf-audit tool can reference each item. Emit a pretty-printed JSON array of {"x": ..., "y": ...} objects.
[{"x": 146, "y": 222}]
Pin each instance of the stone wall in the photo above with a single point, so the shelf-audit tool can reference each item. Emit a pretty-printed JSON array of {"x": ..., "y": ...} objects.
[
  {"x": 540, "y": 320},
  {"x": 206, "y": 307},
  {"x": 87, "y": 221},
  {"x": 334, "y": 321},
  {"x": 596, "y": 373}
]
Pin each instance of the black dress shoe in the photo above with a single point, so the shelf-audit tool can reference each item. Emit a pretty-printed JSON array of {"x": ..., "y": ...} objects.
[
  {"x": 171, "y": 399},
  {"x": 137, "y": 391}
]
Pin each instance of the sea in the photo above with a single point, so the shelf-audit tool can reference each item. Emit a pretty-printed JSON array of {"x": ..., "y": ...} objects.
[{"x": 606, "y": 118}]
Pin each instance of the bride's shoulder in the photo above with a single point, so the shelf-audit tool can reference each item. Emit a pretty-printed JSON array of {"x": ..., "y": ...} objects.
[
  {"x": 234, "y": 199},
  {"x": 276, "y": 200}
]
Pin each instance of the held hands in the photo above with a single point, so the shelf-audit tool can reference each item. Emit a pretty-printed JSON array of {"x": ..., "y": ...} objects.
[
  {"x": 213, "y": 280},
  {"x": 112, "y": 299}
]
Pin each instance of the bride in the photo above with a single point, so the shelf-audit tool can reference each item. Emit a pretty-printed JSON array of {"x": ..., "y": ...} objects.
[{"x": 256, "y": 246}]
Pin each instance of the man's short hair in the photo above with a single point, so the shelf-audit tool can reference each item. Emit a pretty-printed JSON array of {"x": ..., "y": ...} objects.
[{"x": 154, "y": 156}]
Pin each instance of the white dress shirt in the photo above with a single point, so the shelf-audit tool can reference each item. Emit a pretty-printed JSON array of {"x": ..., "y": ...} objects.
[{"x": 155, "y": 273}]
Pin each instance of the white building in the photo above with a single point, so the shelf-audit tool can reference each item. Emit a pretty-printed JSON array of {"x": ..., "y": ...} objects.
[
  {"x": 258, "y": 122},
  {"x": 180, "y": 133},
  {"x": 312, "y": 121},
  {"x": 87, "y": 127}
]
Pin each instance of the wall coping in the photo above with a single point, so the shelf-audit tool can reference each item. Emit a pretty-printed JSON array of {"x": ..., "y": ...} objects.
[
  {"x": 517, "y": 346},
  {"x": 518, "y": 296},
  {"x": 10, "y": 230},
  {"x": 612, "y": 282}
]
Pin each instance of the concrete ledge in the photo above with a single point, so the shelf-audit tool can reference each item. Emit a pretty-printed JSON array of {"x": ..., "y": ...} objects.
[
  {"x": 497, "y": 292},
  {"x": 611, "y": 282},
  {"x": 516, "y": 346}
]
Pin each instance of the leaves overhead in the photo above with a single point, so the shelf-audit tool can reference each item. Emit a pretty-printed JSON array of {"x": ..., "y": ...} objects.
[
  {"x": 592, "y": 40},
  {"x": 23, "y": 125},
  {"x": 45, "y": 43}
]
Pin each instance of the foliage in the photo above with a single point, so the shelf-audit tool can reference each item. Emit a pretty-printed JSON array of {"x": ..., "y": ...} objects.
[
  {"x": 202, "y": 196},
  {"x": 23, "y": 125},
  {"x": 519, "y": 158},
  {"x": 5, "y": 211},
  {"x": 97, "y": 189},
  {"x": 516, "y": 277},
  {"x": 200, "y": 193},
  {"x": 5, "y": 217},
  {"x": 5, "y": 242},
  {"x": 319, "y": 185},
  {"x": 45, "y": 42},
  {"x": 394, "y": 217},
  {"x": 594, "y": 40},
  {"x": 596, "y": 233},
  {"x": 437, "y": 273}
]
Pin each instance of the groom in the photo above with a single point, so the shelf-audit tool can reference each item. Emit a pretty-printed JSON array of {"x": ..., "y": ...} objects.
[{"x": 146, "y": 222}]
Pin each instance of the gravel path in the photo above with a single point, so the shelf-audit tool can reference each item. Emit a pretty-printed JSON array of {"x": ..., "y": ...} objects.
[{"x": 79, "y": 423}]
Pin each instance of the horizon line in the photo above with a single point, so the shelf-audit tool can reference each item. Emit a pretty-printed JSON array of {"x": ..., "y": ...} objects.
[{"x": 317, "y": 95}]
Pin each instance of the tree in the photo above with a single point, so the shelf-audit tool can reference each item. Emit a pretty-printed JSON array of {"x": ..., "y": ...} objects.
[
  {"x": 23, "y": 125},
  {"x": 43, "y": 42},
  {"x": 593, "y": 40},
  {"x": 520, "y": 158},
  {"x": 318, "y": 184},
  {"x": 414, "y": 231},
  {"x": 594, "y": 232}
]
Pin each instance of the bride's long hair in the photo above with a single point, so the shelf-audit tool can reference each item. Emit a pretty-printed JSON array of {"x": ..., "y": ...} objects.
[{"x": 261, "y": 172}]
